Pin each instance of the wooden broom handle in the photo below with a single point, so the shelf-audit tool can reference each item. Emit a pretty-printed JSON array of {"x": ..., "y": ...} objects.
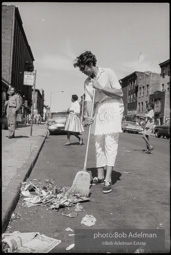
[{"x": 89, "y": 132}]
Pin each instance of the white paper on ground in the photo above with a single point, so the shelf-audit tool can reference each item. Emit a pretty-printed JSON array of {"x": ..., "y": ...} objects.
[
  {"x": 70, "y": 247},
  {"x": 88, "y": 220},
  {"x": 29, "y": 242}
]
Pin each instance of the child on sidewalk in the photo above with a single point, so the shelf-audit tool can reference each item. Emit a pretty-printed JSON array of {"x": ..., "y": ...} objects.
[{"x": 149, "y": 127}]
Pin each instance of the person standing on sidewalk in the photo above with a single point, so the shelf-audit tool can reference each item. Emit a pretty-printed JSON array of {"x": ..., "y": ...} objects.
[
  {"x": 13, "y": 105},
  {"x": 108, "y": 114},
  {"x": 148, "y": 129},
  {"x": 73, "y": 124}
]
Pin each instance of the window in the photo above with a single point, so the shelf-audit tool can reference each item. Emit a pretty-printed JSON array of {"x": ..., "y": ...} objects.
[
  {"x": 143, "y": 91},
  {"x": 157, "y": 106},
  {"x": 139, "y": 107},
  {"x": 162, "y": 87},
  {"x": 169, "y": 70},
  {"x": 140, "y": 92},
  {"x": 142, "y": 106},
  {"x": 147, "y": 89},
  {"x": 168, "y": 86},
  {"x": 163, "y": 72},
  {"x": 146, "y": 104},
  {"x": 131, "y": 98}
]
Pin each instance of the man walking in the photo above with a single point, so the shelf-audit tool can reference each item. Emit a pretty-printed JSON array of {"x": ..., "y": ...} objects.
[{"x": 13, "y": 105}]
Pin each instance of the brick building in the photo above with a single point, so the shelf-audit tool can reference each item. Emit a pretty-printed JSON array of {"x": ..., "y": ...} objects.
[
  {"x": 130, "y": 89},
  {"x": 161, "y": 98},
  {"x": 137, "y": 88},
  {"x": 17, "y": 56},
  {"x": 149, "y": 82}
]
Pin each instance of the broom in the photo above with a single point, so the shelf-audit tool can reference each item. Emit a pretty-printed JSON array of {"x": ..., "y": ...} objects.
[{"x": 81, "y": 183}]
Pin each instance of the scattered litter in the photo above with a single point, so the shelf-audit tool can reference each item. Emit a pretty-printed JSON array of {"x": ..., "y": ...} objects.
[
  {"x": 88, "y": 220},
  {"x": 31, "y": 242},
  {"x": 78, "y": 207},
  {"x": 143, "y": 249},
  {"x": 126, "y": 172},
  {"x": 127, "y": 151},
  {"x": 71, "y": 234},
  {"x": 71, "y": 214},
  {"x": 70, "y": 247},
  {"x": 69, "y": 229},
  {"x": 33, "y": 200},
  {"x": 50, "y": 195},
  {"x": 15, "y": 216}
]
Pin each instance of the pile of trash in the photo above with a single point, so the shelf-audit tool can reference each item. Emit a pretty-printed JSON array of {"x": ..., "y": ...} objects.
[{"x": 48, "y": 194}]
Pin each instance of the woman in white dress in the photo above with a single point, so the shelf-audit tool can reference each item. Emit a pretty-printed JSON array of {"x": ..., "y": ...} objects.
[
  {"x": 73, "y": 124},
  {"x": 108, "y": 113}
]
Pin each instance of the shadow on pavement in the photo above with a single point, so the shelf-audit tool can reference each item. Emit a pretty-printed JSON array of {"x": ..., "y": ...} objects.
[
  {"x": 21, "y": 136},
  {"x": 140, "y": 150},
  {"x": 115, "y": 175}
]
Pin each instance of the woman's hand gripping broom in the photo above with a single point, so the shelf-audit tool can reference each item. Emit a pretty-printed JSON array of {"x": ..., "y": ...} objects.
[{"x": 81, "y": 183}]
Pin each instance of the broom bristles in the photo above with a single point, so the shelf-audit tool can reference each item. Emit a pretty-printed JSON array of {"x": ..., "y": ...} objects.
[{"x": 81, "y": 184}]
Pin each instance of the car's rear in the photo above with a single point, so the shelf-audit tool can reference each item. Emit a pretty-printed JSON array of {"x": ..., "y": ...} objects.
[
  {"x": 57, "y": 123},
  {"x": 132, "y": 127},
  {"x": 162, "y": 131}
]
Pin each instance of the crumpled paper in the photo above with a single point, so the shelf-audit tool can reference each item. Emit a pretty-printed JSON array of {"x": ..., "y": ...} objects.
[
  {"x": 88, "y": 220},
  {"x": 70, "y": 247},
  {"x": 31, "y": 242},
  {"x": 50, "y": 195}
]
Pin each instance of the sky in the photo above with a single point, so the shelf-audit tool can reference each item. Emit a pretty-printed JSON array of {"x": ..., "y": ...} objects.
[{"x": 125, "y": 37}]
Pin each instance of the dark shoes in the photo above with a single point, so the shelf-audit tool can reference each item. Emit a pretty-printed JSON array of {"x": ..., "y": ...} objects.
[
  {"x": 148, "y": 151},
  {"x": 96, "y": 181},
  {"x": 107, "y": 187}
]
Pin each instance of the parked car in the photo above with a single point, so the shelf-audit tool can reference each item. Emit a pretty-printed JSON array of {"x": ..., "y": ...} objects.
[
  {"x": 132, "y": 127},
  {"x": 57, "y": 122},
  {"x": 162, "y": 130}
]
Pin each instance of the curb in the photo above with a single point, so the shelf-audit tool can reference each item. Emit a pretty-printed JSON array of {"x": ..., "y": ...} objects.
[{"x": 14, "y": 192}]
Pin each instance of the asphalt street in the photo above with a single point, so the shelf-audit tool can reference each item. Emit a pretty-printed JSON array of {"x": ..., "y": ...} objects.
[{"x": 141, "y": 189}]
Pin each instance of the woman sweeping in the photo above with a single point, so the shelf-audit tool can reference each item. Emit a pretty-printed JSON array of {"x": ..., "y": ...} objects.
[
  {"x": 108, "y": 115},
  {"x": 73, "y": 124}
]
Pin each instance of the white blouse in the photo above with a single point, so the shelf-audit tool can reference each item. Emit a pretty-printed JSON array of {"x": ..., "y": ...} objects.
[
  {"x": 75, "y": 106},
  {"x": 107, "y": 79}
]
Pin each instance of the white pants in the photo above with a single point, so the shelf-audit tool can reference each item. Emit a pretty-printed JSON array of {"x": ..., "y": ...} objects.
[{"x": 106, "y": 149}]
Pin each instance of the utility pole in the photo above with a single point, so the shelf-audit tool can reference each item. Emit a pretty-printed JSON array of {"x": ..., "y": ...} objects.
[{"x": 33, "y": 102}]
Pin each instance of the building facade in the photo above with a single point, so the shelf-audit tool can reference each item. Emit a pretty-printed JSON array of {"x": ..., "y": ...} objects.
[
  {"x": 161, "y": 97},
  {"x": 137, "y": 88},
  {"x": 17, "y": 56},
  {"x": 158, "y": 99},
  {"x": 149, "y": 82},
  {"x": 38, "y": 99},
  {"x": 130, "y": 85}
]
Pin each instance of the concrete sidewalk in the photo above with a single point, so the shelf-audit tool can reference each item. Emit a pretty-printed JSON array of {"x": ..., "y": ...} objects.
[{"x": 18, "y": 158}]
